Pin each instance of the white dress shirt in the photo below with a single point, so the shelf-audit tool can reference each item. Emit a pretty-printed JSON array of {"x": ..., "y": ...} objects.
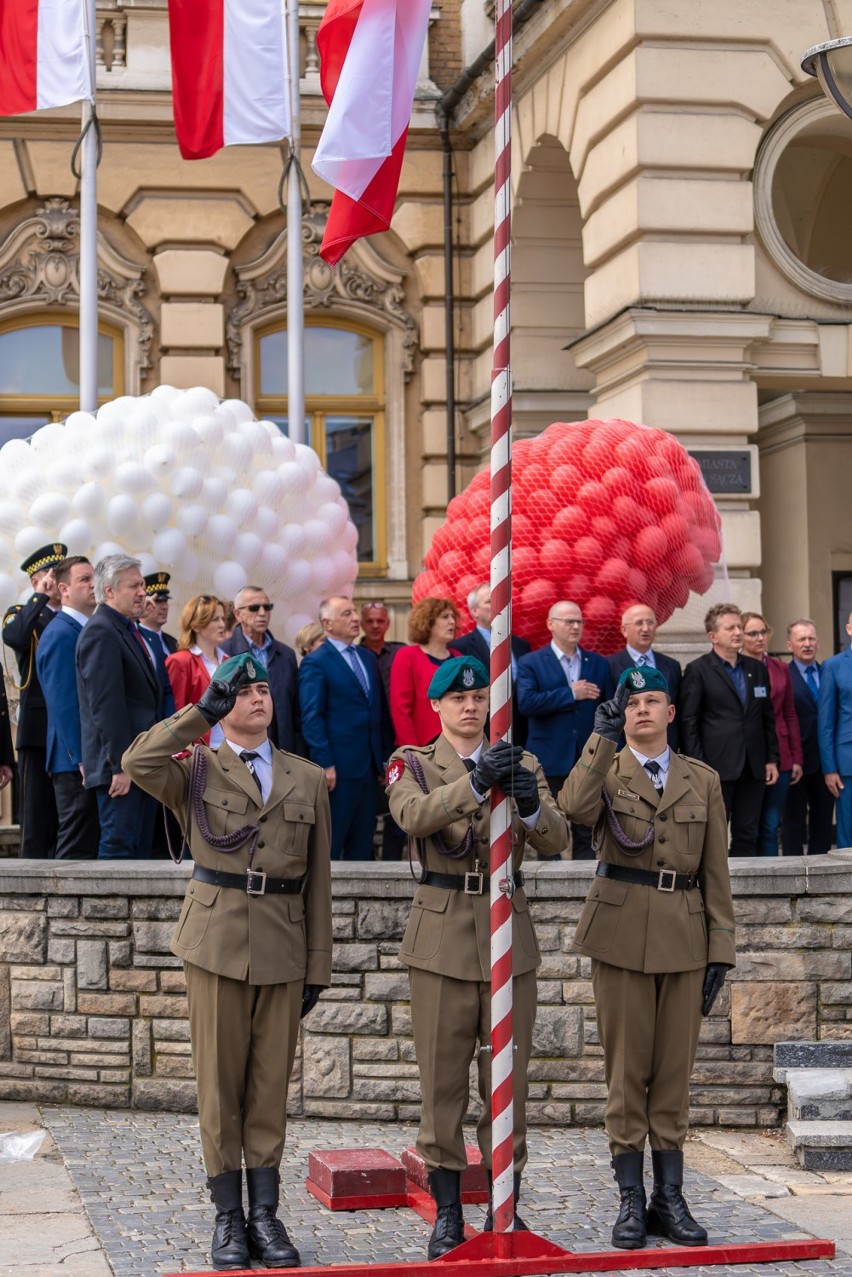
[
  {"x": 663, "y": 760},
  {"x": 262, "y": 764},
  {"x": 570, "y": 665}
]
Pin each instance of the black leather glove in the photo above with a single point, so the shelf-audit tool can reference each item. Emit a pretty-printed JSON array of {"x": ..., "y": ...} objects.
[
  {"x": 310, "y": 997},
  {"x": 714, "y": 978},
  {"x": 495, "y": 765},
  {"x": 609, "y": 716},
  {"x": 523, "y": 787},
  {"x": 221, "y": 697}
]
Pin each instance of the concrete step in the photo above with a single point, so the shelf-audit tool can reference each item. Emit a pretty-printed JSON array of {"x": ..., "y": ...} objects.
[
  {"x": 819, "y": 1094},
  {"x": 821, "y": 1146},
  {"x": 810, "y": 1055}
]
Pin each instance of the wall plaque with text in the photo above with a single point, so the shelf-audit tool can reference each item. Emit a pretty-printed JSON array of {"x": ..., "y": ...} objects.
[{"x": 727, "y": 471}]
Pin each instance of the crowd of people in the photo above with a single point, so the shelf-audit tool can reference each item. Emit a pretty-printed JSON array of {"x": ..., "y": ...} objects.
[{"x": 96, "y": 665}]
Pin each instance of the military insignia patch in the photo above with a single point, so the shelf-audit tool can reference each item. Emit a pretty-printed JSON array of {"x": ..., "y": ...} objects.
[
  {"x": 468, "y": 677},
  {"x": 395, "y": 770},
  {"x": 250, "y": 669},
  {"x": 637, "y": 680}
]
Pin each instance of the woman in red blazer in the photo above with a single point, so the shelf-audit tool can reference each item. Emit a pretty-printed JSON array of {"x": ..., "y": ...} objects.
[
  {"x": 431, "y": 629},
  {"x": 756, "y": 636},
  {"x": 202, "y": 628}
]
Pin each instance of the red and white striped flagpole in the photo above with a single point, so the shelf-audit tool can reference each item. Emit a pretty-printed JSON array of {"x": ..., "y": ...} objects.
[{"x": 502, "y": 1124}]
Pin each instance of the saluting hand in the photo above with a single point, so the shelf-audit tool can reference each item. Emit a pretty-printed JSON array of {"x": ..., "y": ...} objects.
[
  {"x": 610, "y": 716},
  {"x": 221, "y": 696}
]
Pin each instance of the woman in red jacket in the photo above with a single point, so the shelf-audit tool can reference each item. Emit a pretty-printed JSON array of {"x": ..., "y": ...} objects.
[
  {"x": 431, "y": 629},
  {"x": 202, "y": 628},
  {"x": 756, "y": 636}
]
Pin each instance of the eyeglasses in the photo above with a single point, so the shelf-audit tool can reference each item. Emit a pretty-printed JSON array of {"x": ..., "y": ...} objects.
[
  {"x": 567, "y": 620},
  {"x": 259, "y": 607},
  {"x": 755, "y": 633}
]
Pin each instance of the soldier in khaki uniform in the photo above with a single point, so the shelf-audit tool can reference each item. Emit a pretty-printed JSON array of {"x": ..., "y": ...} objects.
[
  {"x": 254, "y": 934},
  {"x": 658, "y": 924},
  {"x": 439, "y": 794}
]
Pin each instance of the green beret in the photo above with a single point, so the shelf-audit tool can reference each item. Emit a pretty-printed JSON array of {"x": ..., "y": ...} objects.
[
  {"x": 255, "y": 670},
  {"x": 646, "y": 679},
  {"x": 458, "y": 674}
]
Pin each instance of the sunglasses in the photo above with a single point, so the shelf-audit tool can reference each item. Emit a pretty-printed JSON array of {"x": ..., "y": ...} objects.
[{"x": 259, "y": 607}]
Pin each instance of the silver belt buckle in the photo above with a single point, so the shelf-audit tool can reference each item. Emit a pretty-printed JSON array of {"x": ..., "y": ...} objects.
[
  {"x": 667, "y": 874},
  {"x": 474, "y": 883},
  {"x": 251, "y": 876}
]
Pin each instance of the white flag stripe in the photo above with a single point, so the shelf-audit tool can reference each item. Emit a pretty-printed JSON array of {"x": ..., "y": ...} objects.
[
  {"x": 255, "y": 72},
  {"x": 371, "y": 107},
  {"x": 62, "y": 73}
]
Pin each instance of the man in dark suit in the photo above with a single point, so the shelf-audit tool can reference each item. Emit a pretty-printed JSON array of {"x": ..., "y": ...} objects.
[
  {"x": 478, "y": 643},
  {"x": 639, "y": 625},
  {"x": 154, "y": 616},
  {"x": 834, "y": 728},
  {"x": 119, "y": 696},
  {"x": 809, "y": 812},
  {"x": 23, "y": 626},
  {"x": 559, "y": 688},
  {"x": 76, "y": 806},
  {"x": 253, "y": 610},
  {"x": 375, "y": 623},
  {"x": 342, "y": 701},
  {"x": 726, "y": 720}
]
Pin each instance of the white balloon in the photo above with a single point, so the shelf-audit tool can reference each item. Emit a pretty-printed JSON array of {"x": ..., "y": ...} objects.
[
  {"x": 220, "y": 534},
  {"x": 236, "y": 451},
  {"x": 49, "y": 436},
  {"x": 161, "y": 399},
  {"x": 148, "y": 563},
  {"x": 160, "y": 460},
  {"x": 191, "y": 519},
  {"x": 349, "y": 539},
  {"x": 8, "y": 591},
  {"x": 228, "y": 578},
  {"x": 180, "y": 437},
  {"x": 268, "y": 486},
  {"x": 82, "y": 421},
  {"x": 168, "y": 547},
  {"x": 266, "y": 523},
  {"x": 248, "y": 549},
  {"x": 215, "y": 491},
  {"x": 283, "y": 449},
  {"x": 273, "y": 561},
  {"x": 210, "y": 430},
  {"x": 187, "y": 483},
  {"x": 121, "y": 514},
  {"x": 317, "y": 537},
  {"x": 197, "y": 402},
  {"x": 27, "y": 540},
  {"x": 65, "y": 473},
  {"x": 27, "y": 484},
  {"x": 298, "y": 575},
  {"x": 325, "y": 489},
  {"x": 98, "y": 461},
  {"x": 77, "y": 535},
  {"x": 157, "y": 511},
  {"x": 10, "y": 517},
  {"x": 90, "y": 501},
  {"x": 334, "y": 517},
  {"x": 323, "y": 572},
  {"x": 294, "y": 623},
  {"x": 107, "y": 548},
  {"x": 239, "y": 411},
  {"x": 291, "y": 476},
  {"x": 133, "y": 477},
  {"x": 50, "y": 509},
  {"x": 307, "y": 458},
  {"x": 291, "y": 538},
  {"x": 240, "y": 506}
]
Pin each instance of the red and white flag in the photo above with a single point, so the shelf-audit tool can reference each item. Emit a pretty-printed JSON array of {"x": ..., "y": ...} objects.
[
  {"x": 230, "y": 73},
  {"x": 43, "y": 57},
  {"x": 370, "y": 52}
]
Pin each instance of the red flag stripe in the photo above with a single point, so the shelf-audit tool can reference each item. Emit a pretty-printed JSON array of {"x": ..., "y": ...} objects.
[
  {"x": 196, "y": 39},
  {"x": 18, "y": 56},
  {"x": 333, "y": 39}
]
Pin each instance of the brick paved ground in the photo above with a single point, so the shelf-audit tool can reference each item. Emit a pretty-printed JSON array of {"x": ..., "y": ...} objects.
[{"x": 141, "y": 1180}]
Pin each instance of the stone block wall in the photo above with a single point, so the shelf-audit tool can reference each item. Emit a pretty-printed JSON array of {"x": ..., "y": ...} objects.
[{"x": 93, "y": 1012}]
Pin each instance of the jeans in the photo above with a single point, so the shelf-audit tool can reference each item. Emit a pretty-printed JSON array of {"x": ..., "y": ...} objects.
[{"x": 771, "y": 812}]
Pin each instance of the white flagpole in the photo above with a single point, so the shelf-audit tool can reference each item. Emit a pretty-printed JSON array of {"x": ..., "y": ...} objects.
[
  {"x": 89, "y": 235},
  {"x": 295, "y": 318}
]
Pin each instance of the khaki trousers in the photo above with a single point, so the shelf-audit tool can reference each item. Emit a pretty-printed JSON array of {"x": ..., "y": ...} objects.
[
  {"x": 243, "y": 1043},
  {"x": 648, "y": 1026},
  {"x": 449, "y": 1017}
]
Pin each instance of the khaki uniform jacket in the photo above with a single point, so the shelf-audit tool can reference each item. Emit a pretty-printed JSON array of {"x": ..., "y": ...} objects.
[
  {"x": 638, "y": 927},
  {"x": 270, "y": 939},
  {"x": 449, "y": 932}
]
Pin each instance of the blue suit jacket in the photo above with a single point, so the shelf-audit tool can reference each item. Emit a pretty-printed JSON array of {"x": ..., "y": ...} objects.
[
  {"x": 558, "y": 726},
  {"x": 342, "y": 727},
  {"x": 807, "y": 714},
  {"x": 835, "y": 714},
  {"x": 57, "y": 674}
]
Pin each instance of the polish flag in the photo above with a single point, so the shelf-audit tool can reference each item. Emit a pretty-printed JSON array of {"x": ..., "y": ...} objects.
[
  {"x": 370, "y": 52},
  {"x": 43, "y": 60},
  {"x": 230, "y": 73}
]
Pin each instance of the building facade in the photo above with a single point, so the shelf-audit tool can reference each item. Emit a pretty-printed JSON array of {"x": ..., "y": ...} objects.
[{"x": 680, "y": 257}]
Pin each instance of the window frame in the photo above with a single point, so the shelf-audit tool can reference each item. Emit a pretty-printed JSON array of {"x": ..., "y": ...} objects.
[
  {"x": 319, "y": 407},
  {"x": 58, "y": 406}
]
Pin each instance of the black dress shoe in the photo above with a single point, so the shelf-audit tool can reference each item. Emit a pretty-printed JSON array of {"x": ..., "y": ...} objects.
[
  {"x": 668, "y": 1213},
  {"x": 230, "y": 1244},
  {"x": 629, "y": 1231},
  {"x": 267, "y": 1237},
  {"x": 448, "y": 1232}
]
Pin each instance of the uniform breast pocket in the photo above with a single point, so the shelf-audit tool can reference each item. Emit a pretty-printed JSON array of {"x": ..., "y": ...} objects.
[
  {"x": 425, "y": 928},
  {"x": 633, "y": 816},
  {"x": 297, "y": 823},
  {"x": 226, "y": 809},
  {"x": 601, "y": 915},
  {"x": 196, "y": 914},
  {"x": 690, "y": 823}
]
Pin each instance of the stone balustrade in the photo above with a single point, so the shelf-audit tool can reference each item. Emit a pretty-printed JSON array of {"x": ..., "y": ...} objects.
[{"x": 92, "y": 1005}]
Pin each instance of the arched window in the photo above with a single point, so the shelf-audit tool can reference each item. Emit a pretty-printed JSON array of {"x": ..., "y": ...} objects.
[
  {"x": 39, "y": 371},
  {"x": 344, "y": 411}
]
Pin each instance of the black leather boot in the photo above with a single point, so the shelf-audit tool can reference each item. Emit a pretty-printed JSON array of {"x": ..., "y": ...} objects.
[
  {"x": 267, "y": 1236},
  {"x": 668, "y": 1213},
  {"x": 230, "y": 1245},
  {"x": 445, "y": 1187},
  {"x": 629, "y": 1231},
  {"x": 488, "y": 1226}
]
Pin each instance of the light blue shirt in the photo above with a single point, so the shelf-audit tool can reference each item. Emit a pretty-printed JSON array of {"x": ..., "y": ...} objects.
[
  {"x": 570, "y": 665},
  {"x": 486, "y": 634},
  {"x": 641, "y": 658},
  {"x": 662, "y": 759},
  {"x": 803, "y": 671},
  {"x": 262, "y": 764},
  {"x": 257, "y": 652}
]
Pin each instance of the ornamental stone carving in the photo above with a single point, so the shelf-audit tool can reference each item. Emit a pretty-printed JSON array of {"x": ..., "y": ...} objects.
[
  {"x": 362, "y": 286},
  {"x": 40, "y": 263}
]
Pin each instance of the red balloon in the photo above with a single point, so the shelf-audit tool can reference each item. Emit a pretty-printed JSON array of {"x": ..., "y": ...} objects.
[
  {"x": 593, "y": 498},
  {"x": 649, "y": 547},
  {"x": 630, "y": 514},
  {"x": 662, "y": 495},
  {"x": 674, "y": 526},
  {"x": 613, "y": 578},
  {"x": 566, "y": 482},
  {"x": 605, "y": 529},
  {"x": 453, "y": 564},
  {"x": 570, "y": 524},
  {"x": 578, "y": 589},
  {"x": 555, "y": 558},
  {"x": 588, "y": 554}
]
